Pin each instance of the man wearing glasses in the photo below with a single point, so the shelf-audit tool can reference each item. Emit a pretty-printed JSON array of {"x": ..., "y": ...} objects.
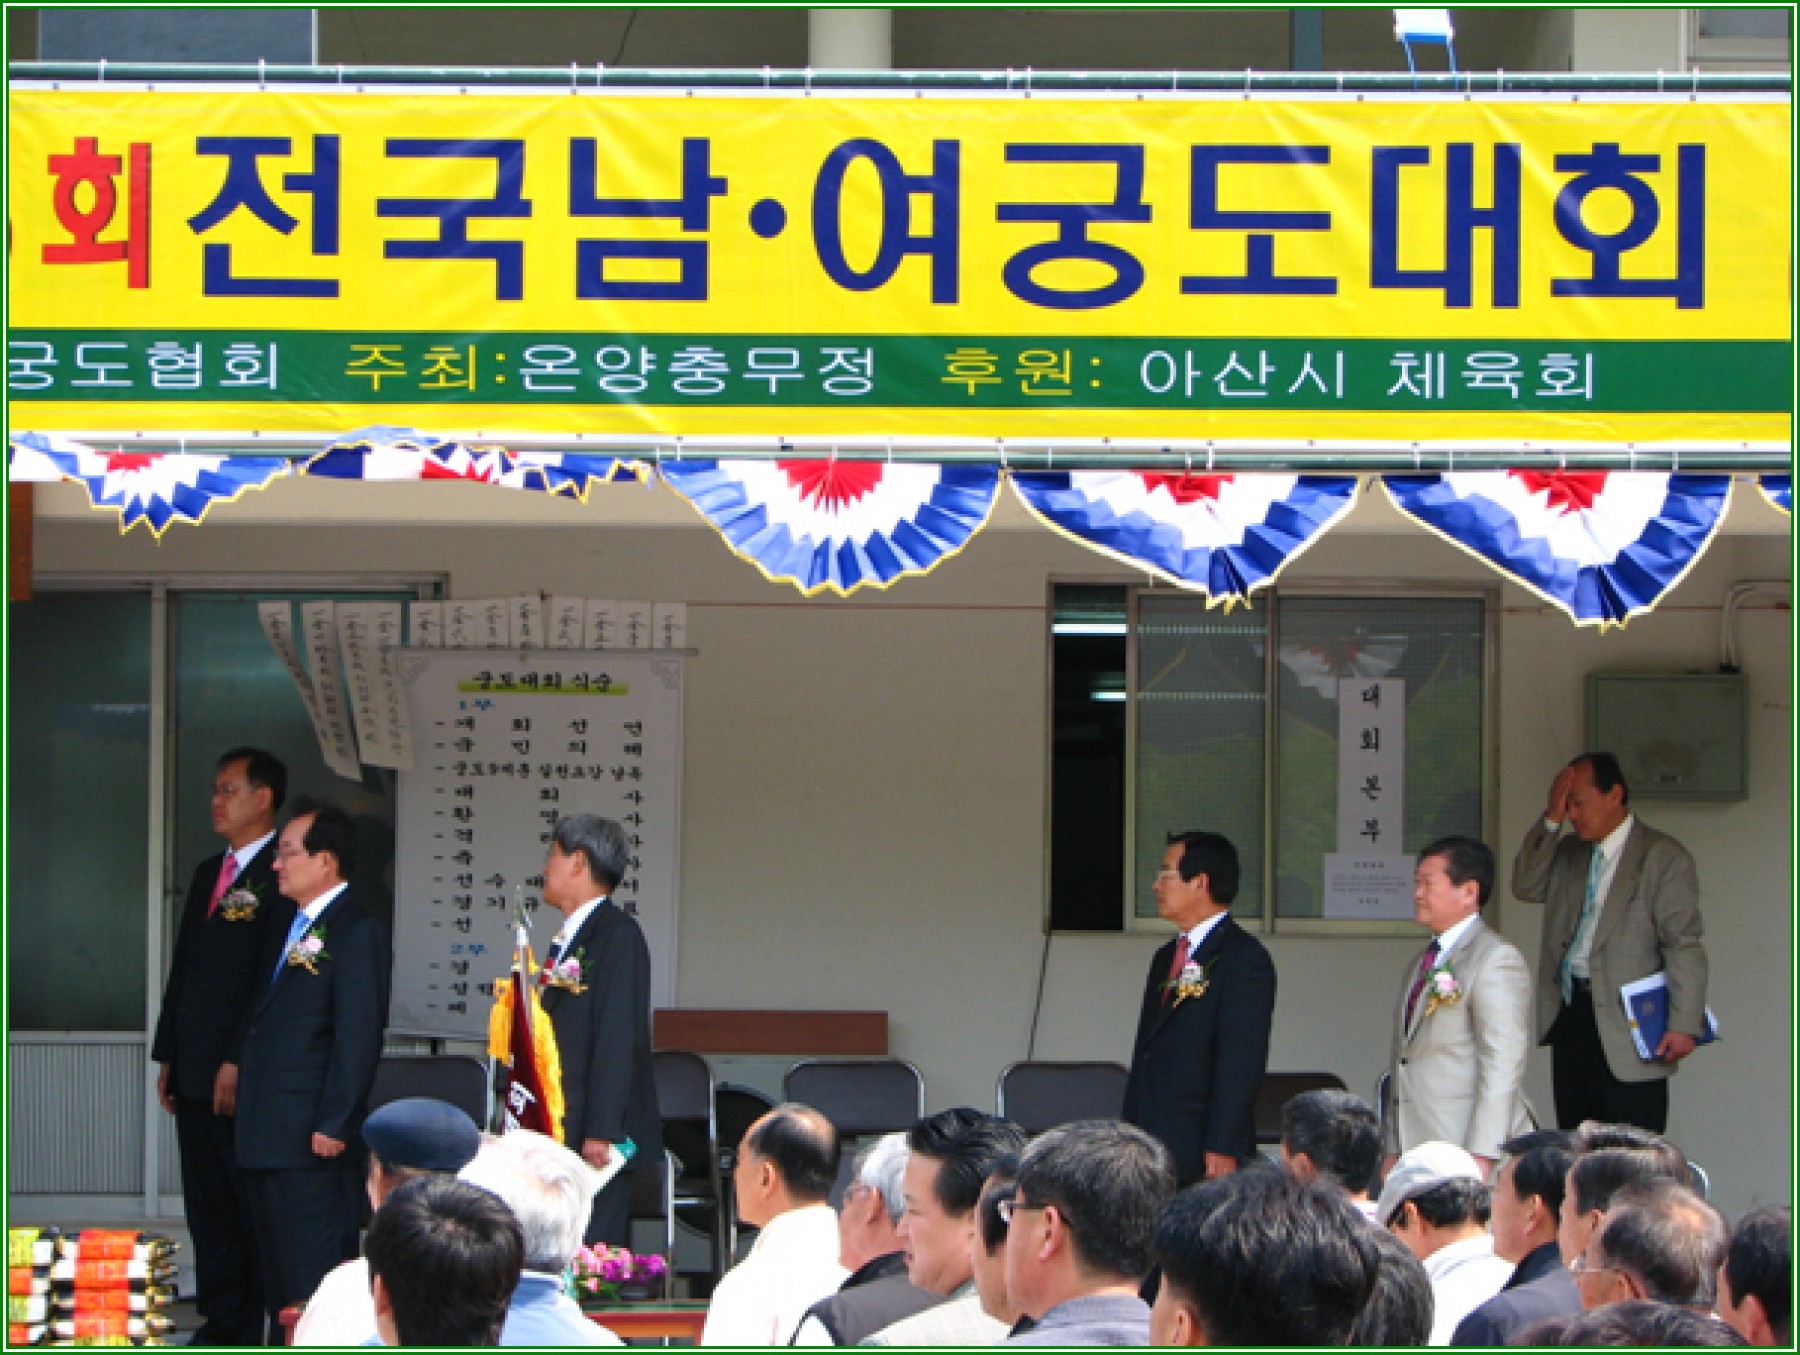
[
  {"x": 309, "y": 1056},
  {"x": 212, "y": 983}
]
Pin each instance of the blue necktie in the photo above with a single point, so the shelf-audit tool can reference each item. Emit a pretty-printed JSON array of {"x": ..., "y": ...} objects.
[
  {"x": 1590, "y": 905},
  {"x": 295, "y": 932}
]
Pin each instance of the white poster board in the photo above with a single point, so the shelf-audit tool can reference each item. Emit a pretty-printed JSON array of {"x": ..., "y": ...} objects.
[
  {"x": 1368, "y": 878},
  {"x": 505, "y": 743}
]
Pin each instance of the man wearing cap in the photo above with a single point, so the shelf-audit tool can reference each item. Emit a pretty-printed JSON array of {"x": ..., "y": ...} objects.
[
  {"x": 1435, "y": 1201},
  {"x": 406, "y": 1139}
]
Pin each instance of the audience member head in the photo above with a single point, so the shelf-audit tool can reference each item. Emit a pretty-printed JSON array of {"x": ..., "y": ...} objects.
[
  {"x": 788, "y": 1160},
  {"x": 588, "y": 857},
  {"x": 1660, "y": 1241},
  {"x": 248, "y": 788},
  {"x": 1259, "y": 1258},
  {"x": 1636, "y": 1322},
  {"x": 549, "y": 1189},
  {"x": 1400, "y": 1310},
  {"x": 1528, "y": 1193},
  {"x": 444, "y": 1259},
  {"x": 951, "y": 1154},
  {"x": 316, "y": 851},
  {"x": 1433, "y": 1197},
  {"x": 1083, "y": 1214},
  {"x": 990, "y": 1242},
  {"x": 416, "y": 1136},
  {"x": 1333, "y": 1136},
  {"x": 1602, "y": 1173},
  {"x": 870, "y": 1212},
  {"x": 1198, "y": 880},
  {"x": 1755, "y": 1293}
]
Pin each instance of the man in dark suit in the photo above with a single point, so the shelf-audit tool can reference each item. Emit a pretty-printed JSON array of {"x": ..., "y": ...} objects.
[
  {"x": 212, "y": 982},
  {"x": 1527, "y": 1204},
  {"x": 1203, "y": 1036},
  {"x": 596, "y": 982},
  {"x": 309, "y": 1056},
  {"x": 1622, "y": 902}
]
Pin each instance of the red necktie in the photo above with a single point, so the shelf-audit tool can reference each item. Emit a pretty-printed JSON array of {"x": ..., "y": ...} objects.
[
  {"x": 227, "y": 873},
  {"x": 1181, "y": 959},
  {"x": 1425, "y": 963}
]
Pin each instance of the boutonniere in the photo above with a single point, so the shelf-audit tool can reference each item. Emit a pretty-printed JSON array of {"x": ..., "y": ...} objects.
[
  {"x": 565, "y": 973},
  {"x": 309, "y": 951},
  {"x": 240, "y": 904},
  {"x": 1441, "y": 988},
  {"x": 1193, "y": 981}
]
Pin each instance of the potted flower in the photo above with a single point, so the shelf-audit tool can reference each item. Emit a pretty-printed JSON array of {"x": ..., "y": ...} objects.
[{"x": 602, "y": 1274}]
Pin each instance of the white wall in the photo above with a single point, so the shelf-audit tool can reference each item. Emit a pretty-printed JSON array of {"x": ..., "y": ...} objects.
[{"x": 865, "y": 779}]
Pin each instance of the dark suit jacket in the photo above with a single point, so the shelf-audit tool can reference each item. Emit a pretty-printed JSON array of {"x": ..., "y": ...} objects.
[
  {"x": 1198, "y": 1064},
  {"x": 313, "y": 1040},
  {"x": 1541, "y": 1287},
  {"x": 603, "y": 1037},
  {"x": 215, "y": 976}
]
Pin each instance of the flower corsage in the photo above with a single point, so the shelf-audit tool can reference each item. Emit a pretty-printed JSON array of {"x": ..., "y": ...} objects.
[
  {"x": 565, "y": 973},
  {"x": 1441, "y": 989},
  {"x": 1193, "y": 981},
  {"x": 240, "y": 904},
  {"x": 309, "y": 951}
]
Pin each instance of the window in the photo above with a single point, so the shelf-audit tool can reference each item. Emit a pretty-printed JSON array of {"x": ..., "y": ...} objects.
[
  {"x": 1168, "y": 715},
  {"x": 1740, "y": 37}
]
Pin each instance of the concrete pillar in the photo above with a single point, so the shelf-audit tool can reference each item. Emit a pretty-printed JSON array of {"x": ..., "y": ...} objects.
[{"x": 850, "y": 39}]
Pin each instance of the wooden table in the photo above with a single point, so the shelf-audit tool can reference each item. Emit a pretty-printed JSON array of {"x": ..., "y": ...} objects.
[{"x": 629, "y": 1321}]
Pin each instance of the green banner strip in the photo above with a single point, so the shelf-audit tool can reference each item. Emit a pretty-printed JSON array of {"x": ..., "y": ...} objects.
[{"x": 185, "y": 367}]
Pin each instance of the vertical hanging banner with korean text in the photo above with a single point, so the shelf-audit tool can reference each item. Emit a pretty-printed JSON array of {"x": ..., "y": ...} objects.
[{"x": 1400, "y": 269}]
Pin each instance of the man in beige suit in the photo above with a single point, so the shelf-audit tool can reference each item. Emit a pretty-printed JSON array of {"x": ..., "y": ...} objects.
[
  {"x": 1623, "y": 902},
  {"x": 1462, "y": 1027}
]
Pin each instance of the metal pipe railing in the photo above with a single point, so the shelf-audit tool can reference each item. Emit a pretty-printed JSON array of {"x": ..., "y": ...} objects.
[{"x": 1027, "y": 81}]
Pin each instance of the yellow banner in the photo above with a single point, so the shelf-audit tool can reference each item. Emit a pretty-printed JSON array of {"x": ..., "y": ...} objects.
[{"x": 959, "y": 266}]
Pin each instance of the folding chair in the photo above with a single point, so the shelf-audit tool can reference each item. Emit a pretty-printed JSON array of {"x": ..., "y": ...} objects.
[
  {"x": 653, "y": 1197},
  {"x": 684, "y": 1098},
  {"x": 460, "y": 1079},
  {"x": 1280, "y": 1088},
  {"x": 861, "y": 1097},
  {"x": 1039, "y": 1095}
]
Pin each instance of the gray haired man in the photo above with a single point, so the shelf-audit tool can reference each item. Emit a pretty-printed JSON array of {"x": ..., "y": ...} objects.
[
  {"x": 596, "y": 987},
  {"x": 549, "y": 1190},
  {"x": 878, "y": 1291}
]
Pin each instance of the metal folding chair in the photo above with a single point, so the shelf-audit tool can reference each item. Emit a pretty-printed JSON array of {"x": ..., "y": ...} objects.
[{"x": 1040, "y": 1094}]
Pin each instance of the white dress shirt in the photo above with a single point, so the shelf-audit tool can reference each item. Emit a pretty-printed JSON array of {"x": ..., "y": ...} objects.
[
  {"x": 1196, "y": 936},
  {"x": 791, "y": 1266},
  {"x": 1464, "y": 1276},
  {"x": 1446, "y": 941},
  {"x": 572, "y": 926},
  {"x": 1581, "y": 945},
  {"x": 245, "y": 854}
]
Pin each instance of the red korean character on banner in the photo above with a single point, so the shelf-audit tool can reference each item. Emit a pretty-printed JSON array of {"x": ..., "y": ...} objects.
[{"x": 100, "y": 173}]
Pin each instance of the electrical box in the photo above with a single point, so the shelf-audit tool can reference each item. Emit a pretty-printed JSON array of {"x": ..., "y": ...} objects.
[{"x": 1678, "y": 736}]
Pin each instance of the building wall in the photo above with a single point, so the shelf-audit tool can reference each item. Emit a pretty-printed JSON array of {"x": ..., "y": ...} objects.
[{"x": 864, "y": 785}]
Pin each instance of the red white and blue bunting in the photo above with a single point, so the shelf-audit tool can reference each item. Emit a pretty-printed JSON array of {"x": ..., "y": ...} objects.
[
  {"x": 1603, "y": 546},
  {"x": 1778, "y": 490},
  {"x": 385, "y": 453},
  {"x": 836, "y": 526},
  {"x": 1227, "y": 535},
  {"x": 155, "y": 489}
]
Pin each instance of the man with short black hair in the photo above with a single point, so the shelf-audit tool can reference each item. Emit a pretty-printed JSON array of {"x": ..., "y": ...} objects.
[
  {"x": 990, "y": 1244},
  {"x": 1462, "y": 1025},
  {"x": 1202, "y": 1043},
  {"x": 596, "y": 990},
  {"x": 214, "y": 979},
  {"x": 1756, "y": 1282},
  {"x": 1527, "y": 1207},
  {"x": 1623, "y": 903},
  {"x": 444, "y": 1258},
  {"x": 1435, "y": 1202},
  {"x": 878, "y": 1291},
  {"x": 309, "y": 1055},
  {"x": 949, "y": 1156},
  {"x": 1335, "y": 1137},
  {"x": 409, "y": 1138},
  {"x": 1660, "y": 1241},
  {"x": 1259, "y": 1258},
  {"x": 1079, "y": 1231},
  {"x": 786, "y": 1167},
  {"x": 1399, "y": 1309},
  {"x": 1597, "y": 1176}
]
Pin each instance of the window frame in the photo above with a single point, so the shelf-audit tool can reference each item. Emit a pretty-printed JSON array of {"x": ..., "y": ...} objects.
[{"x": 1265, "y": 921}]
